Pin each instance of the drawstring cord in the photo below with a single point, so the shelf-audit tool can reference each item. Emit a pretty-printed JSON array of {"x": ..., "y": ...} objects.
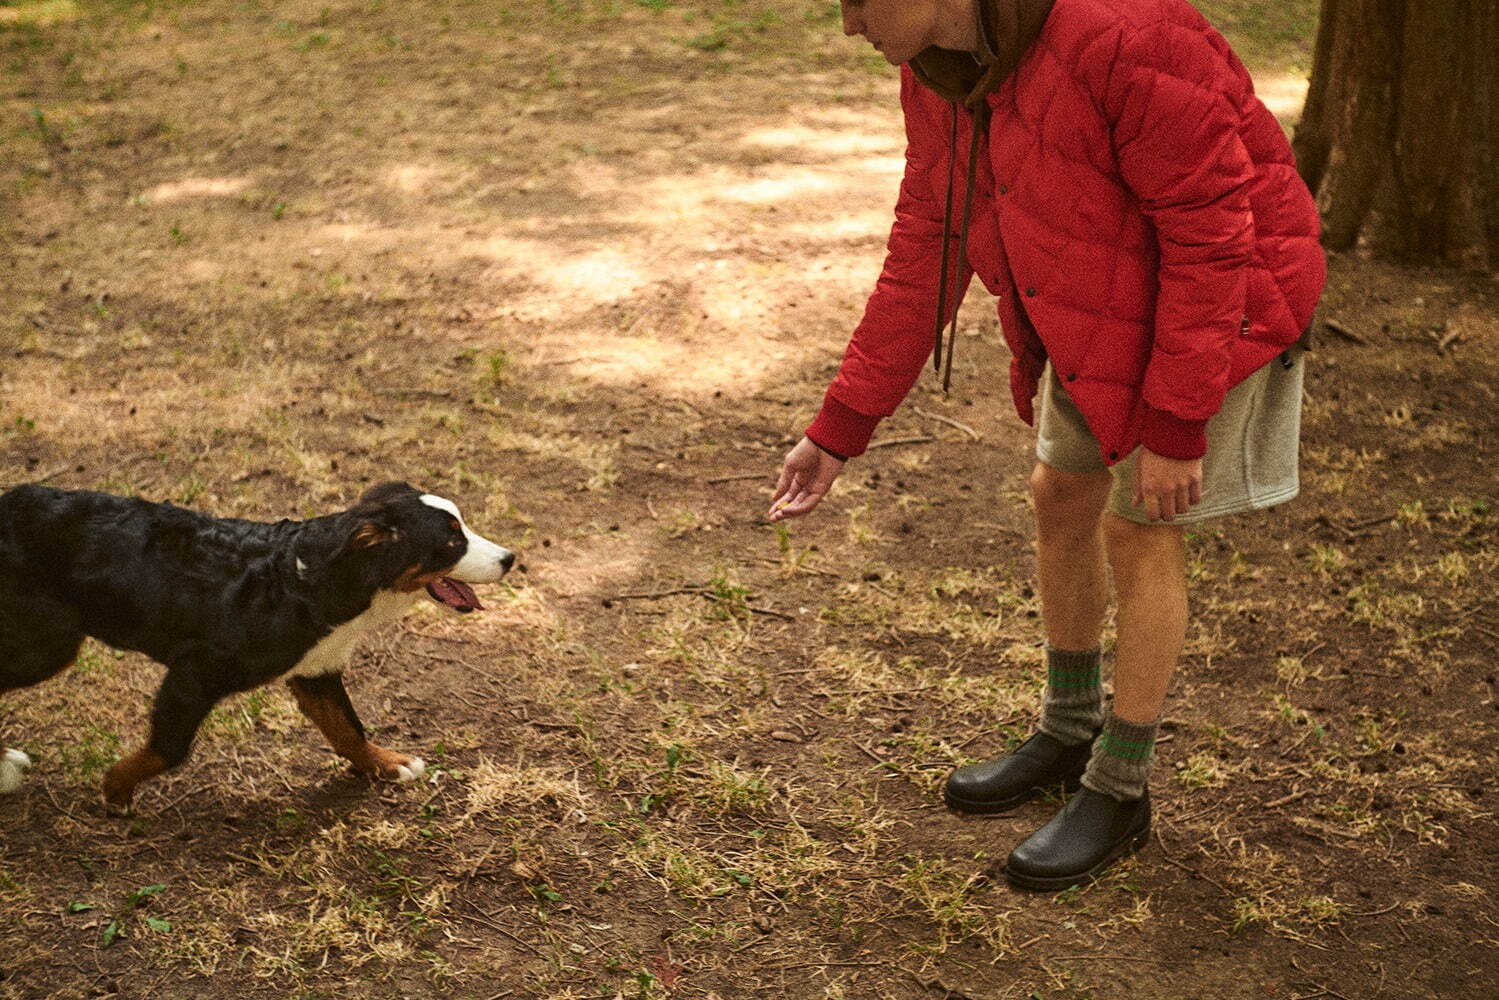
[
  {"x": 952, "y": 162},
  {"x": 980, "y": 115}
]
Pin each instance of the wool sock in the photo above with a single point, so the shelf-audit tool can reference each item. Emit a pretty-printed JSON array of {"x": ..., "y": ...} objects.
[
  {"x": 1072, "y": 707},
  {"x": 1122, "y": 758}
]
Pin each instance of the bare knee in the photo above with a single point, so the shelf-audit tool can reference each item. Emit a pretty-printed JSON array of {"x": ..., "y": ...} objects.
[
  {"x": 1068, "y": 503},
  {"x": 1149, "y": 549}
]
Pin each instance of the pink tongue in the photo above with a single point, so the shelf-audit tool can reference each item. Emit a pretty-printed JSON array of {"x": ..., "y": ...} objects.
[{"x": 455, "y": 594}]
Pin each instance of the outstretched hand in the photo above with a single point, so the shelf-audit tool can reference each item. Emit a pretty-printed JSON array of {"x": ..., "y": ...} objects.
[{"x": 806, "y": 476}]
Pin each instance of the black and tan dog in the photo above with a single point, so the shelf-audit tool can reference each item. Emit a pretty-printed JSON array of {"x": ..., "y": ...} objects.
[{"x": 224, "y": 604}]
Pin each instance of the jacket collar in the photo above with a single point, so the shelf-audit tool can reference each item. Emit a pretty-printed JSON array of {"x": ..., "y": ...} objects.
[{"x": 1006, "y": 30}]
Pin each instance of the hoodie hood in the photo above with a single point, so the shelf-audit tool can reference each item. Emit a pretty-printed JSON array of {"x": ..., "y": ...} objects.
[{"x": 1006, "y": 30}]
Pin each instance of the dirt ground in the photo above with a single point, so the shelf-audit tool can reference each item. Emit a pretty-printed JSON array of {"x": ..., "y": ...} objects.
[{"x": 586, "y": 267}]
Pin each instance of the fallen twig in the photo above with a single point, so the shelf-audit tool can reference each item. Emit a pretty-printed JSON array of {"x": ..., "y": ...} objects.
[
  {"x": 656, "y": 595},
  {"x": 795, "y": 568},
  {"x": 414, "y": 393},
  {"x": 949, "y": 421},
  {"x": 892, "y": 442},
  {"x": 1286, "y": 800},
  {"x": 1165, "y": 853},
  {"x": 1333, "y": 326},
  {"x": 1326, "y": 991},
  {"x": 700, "y": 592},
  {"x": 1353, "y": 532},
  {"x": 834, "y": 965},
  {"x": 480, "y": 916}
]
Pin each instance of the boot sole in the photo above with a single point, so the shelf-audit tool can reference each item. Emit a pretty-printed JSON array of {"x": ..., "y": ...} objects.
[
  {"x": 983, "y": 807},
  {"x": 1056, "y": 883}
]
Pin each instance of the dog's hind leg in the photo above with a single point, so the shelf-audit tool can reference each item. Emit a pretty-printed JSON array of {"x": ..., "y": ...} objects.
[
  {"x": 179, "y": 710},
  {"x": 327, "y": 704},
  {"x": 39, "y": 637}
]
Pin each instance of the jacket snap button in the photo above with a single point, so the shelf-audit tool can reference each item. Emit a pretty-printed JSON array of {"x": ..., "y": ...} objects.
[
  {"x": 1031, "y": 292},
  {"x": 1113, "y": 456},
  {"x": 1072, "y": 377},
  {"x": 1004, "y": 189}
]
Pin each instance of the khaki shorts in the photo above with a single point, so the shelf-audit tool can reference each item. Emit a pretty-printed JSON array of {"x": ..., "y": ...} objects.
[{"x": 1252, "y": 444}]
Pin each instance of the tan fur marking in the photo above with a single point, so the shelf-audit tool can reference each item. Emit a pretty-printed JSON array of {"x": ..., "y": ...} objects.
[
  {"x": 370, "y": 534},
  {"x": 415, "y": 579},
  {"x": 330, "y": 719},
  {"x": 121, "y": 779},
  {"x": 345, "y": 740}
]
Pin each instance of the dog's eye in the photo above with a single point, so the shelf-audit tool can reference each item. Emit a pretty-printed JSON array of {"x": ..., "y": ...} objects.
[{"x": 453, "y": 542}]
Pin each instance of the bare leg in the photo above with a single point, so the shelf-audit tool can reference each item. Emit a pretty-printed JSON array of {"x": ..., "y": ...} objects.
[
  {"x": 324, "y": 701},
  {"x": 1071, "y": 570},
  {"x": 1150, "y": 575}
]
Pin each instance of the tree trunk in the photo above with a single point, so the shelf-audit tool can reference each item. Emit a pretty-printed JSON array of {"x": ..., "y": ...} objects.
[{"x": 1400, "y": 136}]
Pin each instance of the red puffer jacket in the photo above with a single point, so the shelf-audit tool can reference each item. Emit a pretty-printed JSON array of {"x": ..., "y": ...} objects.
[{"x": 1136, "y": 210}]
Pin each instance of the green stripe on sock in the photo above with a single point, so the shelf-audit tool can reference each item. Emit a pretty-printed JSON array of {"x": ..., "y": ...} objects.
[
  {"x": 1127, "y": 749},
  {"x": 1073, "y": 684},
  {"x": 1122, "y": 758},
  {"x": 1072, "y": 704}
]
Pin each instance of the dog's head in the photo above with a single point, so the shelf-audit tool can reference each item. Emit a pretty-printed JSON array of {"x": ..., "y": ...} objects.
[{"x": 398, "y": 538}]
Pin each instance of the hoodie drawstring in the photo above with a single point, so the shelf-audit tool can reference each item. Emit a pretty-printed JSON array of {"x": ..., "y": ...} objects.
[{"x": 980, "y": 124}]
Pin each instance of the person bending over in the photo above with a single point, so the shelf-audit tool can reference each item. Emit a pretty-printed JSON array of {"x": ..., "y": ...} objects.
[{"x": 1105, "y": 169}]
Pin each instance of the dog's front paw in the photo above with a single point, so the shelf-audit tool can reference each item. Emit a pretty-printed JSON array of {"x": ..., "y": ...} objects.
[
  {"x": 395, "y": 766},
  {"x": 413, "y": 770},
  {"x": 13, "y": 765}
]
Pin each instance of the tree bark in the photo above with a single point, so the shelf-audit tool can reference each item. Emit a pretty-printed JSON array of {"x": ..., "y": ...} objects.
[{"x": 1400, "y": 136}]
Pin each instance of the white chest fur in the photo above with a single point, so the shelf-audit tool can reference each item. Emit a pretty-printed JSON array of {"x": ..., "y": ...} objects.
[{"x": 331, "y": 654}]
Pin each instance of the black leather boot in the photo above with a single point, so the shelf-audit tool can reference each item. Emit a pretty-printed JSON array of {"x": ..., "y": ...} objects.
[
  {"x": 1039, "y": 764},
  {"x": 1085, "y": 836}
]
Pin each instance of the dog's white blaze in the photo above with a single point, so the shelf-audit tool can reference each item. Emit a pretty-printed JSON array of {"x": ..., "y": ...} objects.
[
  {"x": 484, "y": 561},
  {"x": 331, "y": 654}
]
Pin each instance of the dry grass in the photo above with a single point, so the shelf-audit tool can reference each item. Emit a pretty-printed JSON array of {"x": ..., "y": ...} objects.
[{"x": 584, "y": 266}]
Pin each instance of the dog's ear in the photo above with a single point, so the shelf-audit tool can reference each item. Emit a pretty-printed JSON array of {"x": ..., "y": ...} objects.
[{"x": 368, "y": 533}]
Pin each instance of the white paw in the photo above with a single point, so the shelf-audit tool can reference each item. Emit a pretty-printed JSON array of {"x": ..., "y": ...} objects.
[
  {"x": 412, "y": 771},
  {"x": 11, "y": 772},
  {"x": 17, "y": 758}
]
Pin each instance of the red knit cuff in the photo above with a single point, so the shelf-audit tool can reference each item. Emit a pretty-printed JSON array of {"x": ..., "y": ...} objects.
[
  {"x": 1172, "y": 437},
  {"x": 841, "y": 430}
]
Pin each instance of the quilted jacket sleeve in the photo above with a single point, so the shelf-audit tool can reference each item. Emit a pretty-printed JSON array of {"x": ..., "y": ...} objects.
[
  {"x": 1168, "y": 95},
  {"x": 893, "y": 341}
]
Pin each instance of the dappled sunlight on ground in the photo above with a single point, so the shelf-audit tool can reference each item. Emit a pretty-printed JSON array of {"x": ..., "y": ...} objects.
[
  {"x": 585, "y": 267},
  {"x": 602, "y": 566},
  {"x": 678, "y": 281},
  {"x": 196, "y": 187}
]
